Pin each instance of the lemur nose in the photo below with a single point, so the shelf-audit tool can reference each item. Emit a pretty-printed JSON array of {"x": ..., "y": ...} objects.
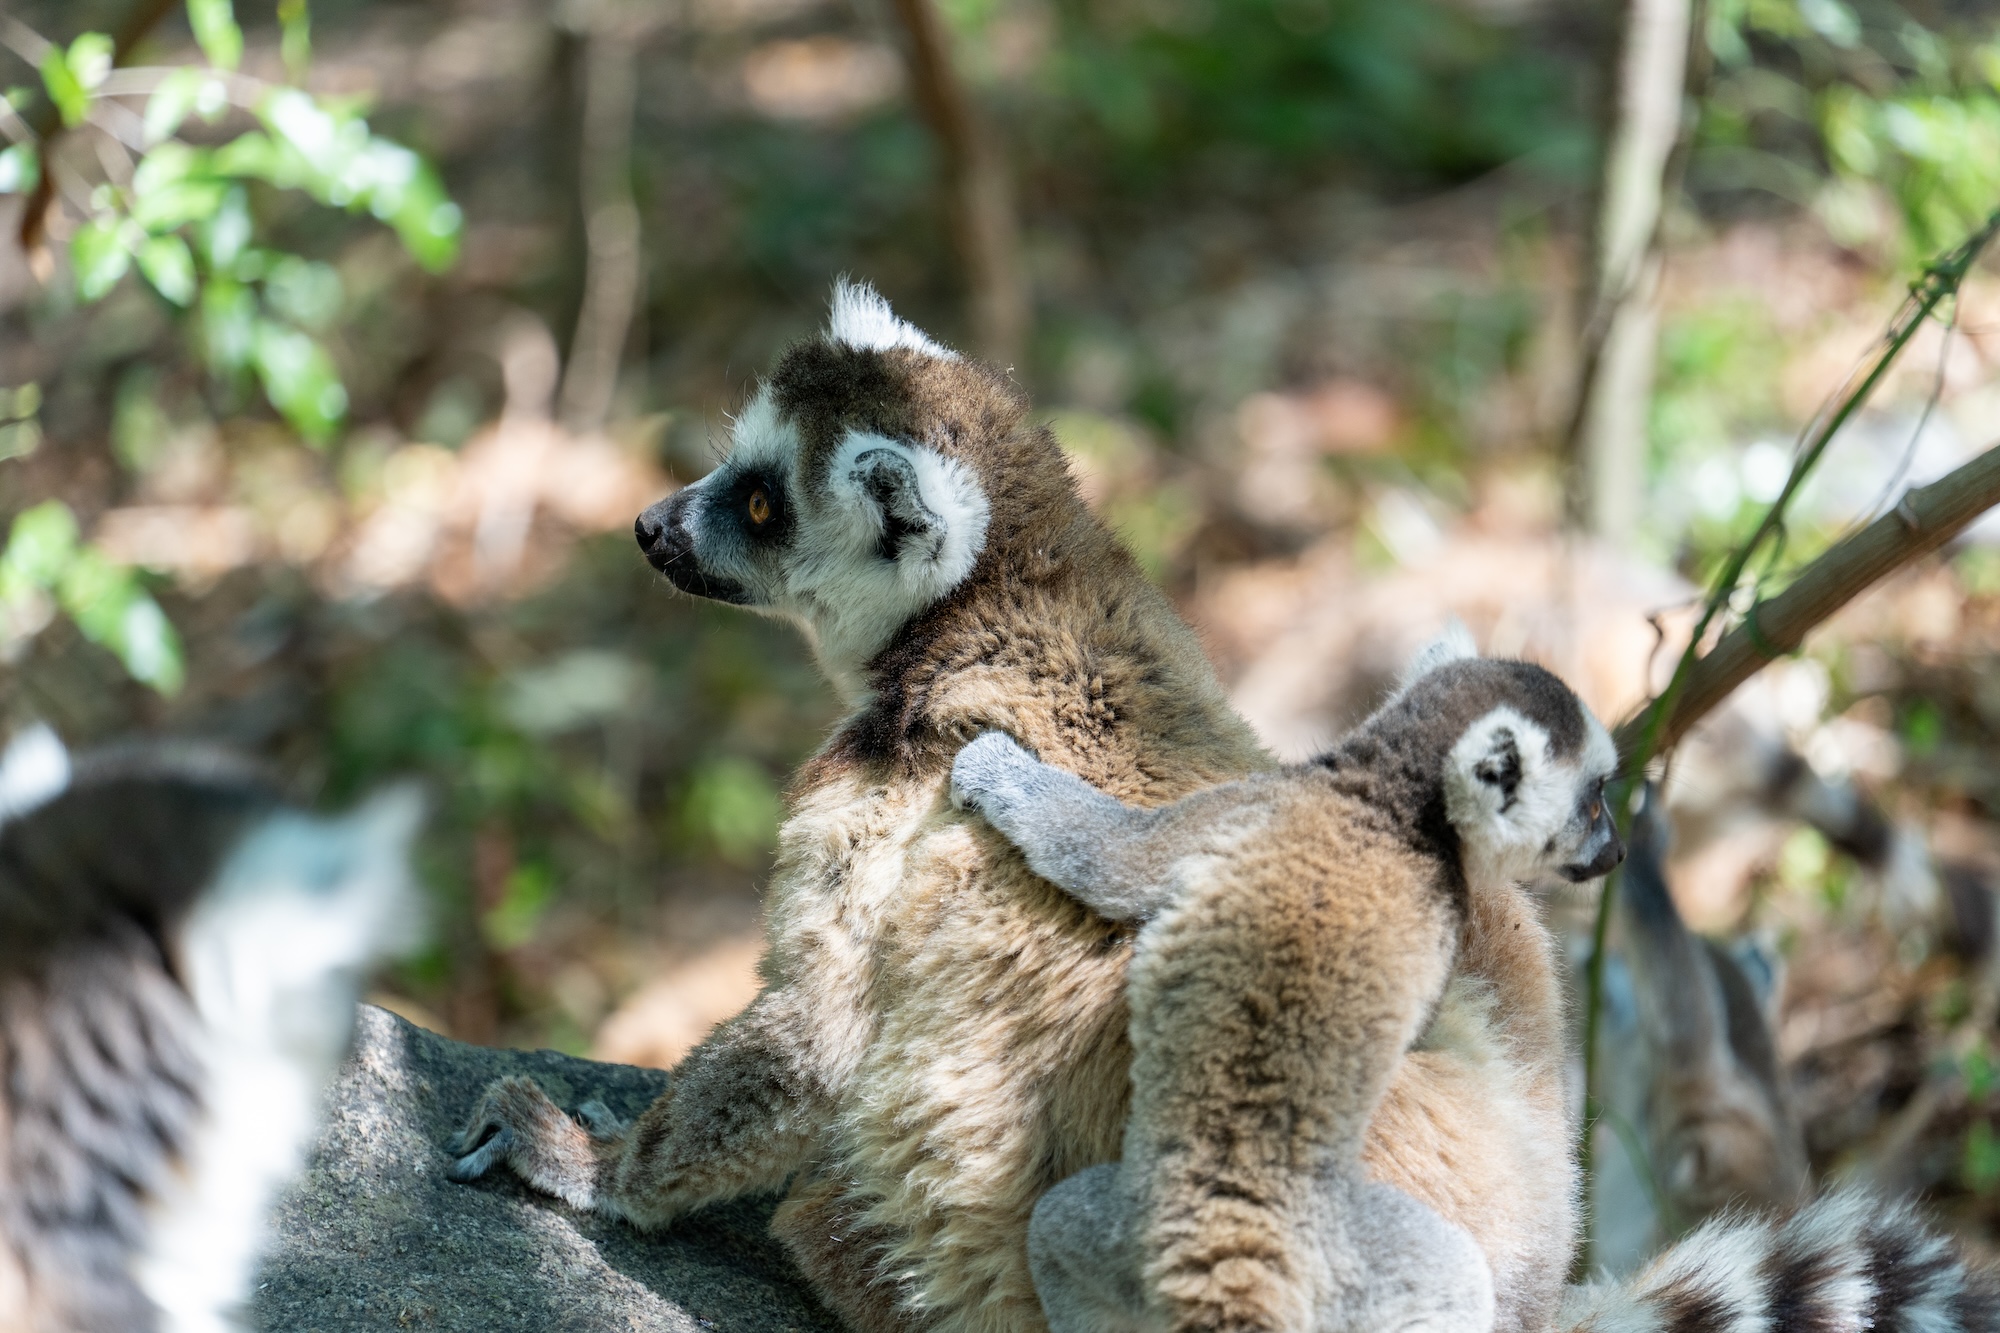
[{"x": 646, "y": 531}]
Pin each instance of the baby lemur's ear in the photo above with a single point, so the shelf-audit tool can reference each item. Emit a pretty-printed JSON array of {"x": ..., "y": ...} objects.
[
  {"x": 924, "y": 513},
  {"x": 1499, "y": 766},
  {"x": 1453, "y": 644},
  {"x": 1492, "y": 763}
]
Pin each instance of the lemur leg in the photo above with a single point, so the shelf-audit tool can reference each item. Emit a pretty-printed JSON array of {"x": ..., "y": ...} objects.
[
  {"x": 1407, "y": 1269},
  {"x": 1397, "y": 1265},
  {"x": 1114, "y": 858},
  {"x": 1270, "y": 1008},
  {"x": 1083, "y": 1250},
  {"x": 741, "y": 1114},
  {"x": 839, "y": 1253}
]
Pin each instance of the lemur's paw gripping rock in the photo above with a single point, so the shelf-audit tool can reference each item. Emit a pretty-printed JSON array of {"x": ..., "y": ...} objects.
[{"x": 516, "y": 1123}]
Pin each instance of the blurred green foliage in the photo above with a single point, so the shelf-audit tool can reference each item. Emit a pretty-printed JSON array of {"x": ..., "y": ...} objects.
[{"x": 1847, "y": 104}]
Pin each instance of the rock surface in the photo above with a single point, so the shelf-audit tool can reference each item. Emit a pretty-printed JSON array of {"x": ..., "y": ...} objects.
[{"x": 374, "y": 1236}]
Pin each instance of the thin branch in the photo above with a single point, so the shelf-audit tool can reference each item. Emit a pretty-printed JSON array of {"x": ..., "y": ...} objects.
[
  {"x": 611, "y": 225},
  {"x": 982, "y": 197},
  {"x": 1926, "y": 519},
  {"x": 47, "y": 121}
]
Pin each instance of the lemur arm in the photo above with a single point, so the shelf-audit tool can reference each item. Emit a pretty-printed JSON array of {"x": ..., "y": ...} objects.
[
  {"x": 1090, "y": 845},
  {"x": 743, "y": 1112}
]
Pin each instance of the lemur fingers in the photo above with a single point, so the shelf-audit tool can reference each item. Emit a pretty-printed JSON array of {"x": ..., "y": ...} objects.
[
  {"x": 516, "y": 1123},
  {"x": 989, "y": 774}
]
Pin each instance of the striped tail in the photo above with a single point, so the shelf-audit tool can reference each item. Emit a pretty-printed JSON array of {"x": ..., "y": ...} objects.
[{"x": 1849, "y": 1261}]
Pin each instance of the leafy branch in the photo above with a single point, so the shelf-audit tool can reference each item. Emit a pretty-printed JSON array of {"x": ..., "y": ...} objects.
[
  {"x": 1924, "y": 520},
  {"x": 181, "y": 213}
]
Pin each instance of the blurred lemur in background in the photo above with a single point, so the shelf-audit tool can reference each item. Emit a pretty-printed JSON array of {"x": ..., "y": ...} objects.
[{"x": 180, "y": 955}]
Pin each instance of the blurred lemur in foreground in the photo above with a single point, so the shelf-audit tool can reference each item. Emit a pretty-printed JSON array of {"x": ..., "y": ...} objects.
[{"x": 180, "y": 955}]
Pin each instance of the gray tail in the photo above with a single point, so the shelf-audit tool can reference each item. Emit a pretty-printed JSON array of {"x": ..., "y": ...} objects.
[{"x": 1848, "y": 1261}]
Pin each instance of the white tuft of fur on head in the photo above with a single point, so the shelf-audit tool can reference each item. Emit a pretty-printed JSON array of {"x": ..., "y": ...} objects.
[
  {"x": 1453, "y": 644},
  {"x": 862, "y": 319},
  {"x": 33, "y": 771},
  {"x": 273, "y": 956}
]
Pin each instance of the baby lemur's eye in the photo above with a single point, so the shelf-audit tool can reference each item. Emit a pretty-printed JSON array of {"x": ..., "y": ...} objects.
[{"x": 759, "y": 507}]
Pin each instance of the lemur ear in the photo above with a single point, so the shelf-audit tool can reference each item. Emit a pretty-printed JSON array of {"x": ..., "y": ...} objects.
[
  {"x": 909, "y": 526},
  {"x": 1453, "y": 644},
  {"x": 1499, "y": 765},
  {"x": 33, "y": 771}
]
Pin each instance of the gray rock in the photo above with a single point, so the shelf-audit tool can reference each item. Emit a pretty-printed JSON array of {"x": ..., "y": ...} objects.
[{"x": 374, "y": 1236}]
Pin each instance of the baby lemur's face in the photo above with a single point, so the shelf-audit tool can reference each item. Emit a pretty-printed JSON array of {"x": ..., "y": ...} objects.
[
  {"x": 1524, "y": 781},
  {"x": 851, "y": 497}
]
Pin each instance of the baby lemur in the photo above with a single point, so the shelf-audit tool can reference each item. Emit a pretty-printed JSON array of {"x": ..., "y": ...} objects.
[
  {"x": 179, "y": 958},
  {"x": 941, "y": 1035},
  {"x": 1310, "y": 935}
]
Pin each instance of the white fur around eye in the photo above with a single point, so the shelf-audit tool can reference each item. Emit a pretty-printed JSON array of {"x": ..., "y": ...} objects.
[
  {"x": 760, "y": 437},
  {"x": 861, "y": 318}
]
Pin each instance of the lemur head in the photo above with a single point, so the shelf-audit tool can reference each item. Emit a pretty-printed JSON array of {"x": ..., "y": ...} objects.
[
  {"x": 1523, "y": 762},
  {"x": 865, "y": 480}
]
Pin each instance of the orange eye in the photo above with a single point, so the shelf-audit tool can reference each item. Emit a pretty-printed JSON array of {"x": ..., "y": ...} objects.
[
  {"x": 759, "y": 507},
  {"x": 1596, "y": 809}
]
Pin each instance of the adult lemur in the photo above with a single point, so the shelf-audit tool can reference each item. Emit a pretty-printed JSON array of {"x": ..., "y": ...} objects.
[
  {"x": 941, "y": 1034},
  {"x": 179, "y": 956}
]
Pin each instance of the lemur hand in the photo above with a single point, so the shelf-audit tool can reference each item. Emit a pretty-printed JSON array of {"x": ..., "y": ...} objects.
[
  {"x": 516, "y": 1123},
  {"x": 988, "y": 772}
]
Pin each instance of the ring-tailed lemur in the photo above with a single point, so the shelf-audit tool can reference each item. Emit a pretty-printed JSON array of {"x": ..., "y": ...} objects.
[
  {"x": 179, "y": 959},
  {"x": 941, "y": 1034},
  {"x": 1307, "y": 934},
  {"x": 1270, "y": 988}
]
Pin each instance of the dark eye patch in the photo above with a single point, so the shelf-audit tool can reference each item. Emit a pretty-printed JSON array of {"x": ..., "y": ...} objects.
[{"x": 756, "y": 493}]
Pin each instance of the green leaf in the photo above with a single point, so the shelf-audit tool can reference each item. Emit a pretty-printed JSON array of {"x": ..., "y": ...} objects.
[
  {"x": 525, "y": 897},
  {"x": 228, "y": 325},
  {"x": 177, "y": 205},
  {"x": 428, "y": 222},
  {"x": 89, "y": 60},
  {"x": 214, "y": 24},
  {"x": 304, "y": 292},
  {"x": 227, "y": 230},
  {"x": 72, "y": 99},
  {"x": 39, "y": 545},
  {"x": 168, "y": 265},
  {"x": 171, "y": 102},
  {"x": 300, "y": 380},
  {"x": 20, "y": 169},
  {"x": 108, "y": 604},
  {"x": 100, "y": 256},
  {"x": 295, "y": 38}
]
